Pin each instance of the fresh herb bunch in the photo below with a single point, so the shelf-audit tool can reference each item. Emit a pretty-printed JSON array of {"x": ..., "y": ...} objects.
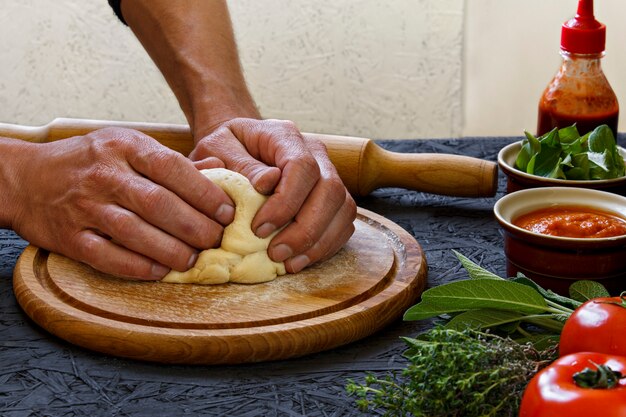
[
  {"x": 564, "y": 154},
  {"x": 496, "y": 334},
  {"x": 452, "y": 373},
  {"x": 518, "y": 306}
]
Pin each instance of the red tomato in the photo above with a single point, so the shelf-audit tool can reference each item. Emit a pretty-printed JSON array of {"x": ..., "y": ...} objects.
[
  {"x": 553, "y": 393},
  {"x": 595, "y": 326}
]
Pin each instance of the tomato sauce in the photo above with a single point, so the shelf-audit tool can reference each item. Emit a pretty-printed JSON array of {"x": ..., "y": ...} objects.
[{"x": 577, "y": 222}]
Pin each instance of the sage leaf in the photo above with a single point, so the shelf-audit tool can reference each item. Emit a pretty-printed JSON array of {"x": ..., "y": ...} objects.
[
  {"x": 474, "y": 270},
  {"x": 586, "y": 290},
  {"x": 549, "y": 294},
  {"x": 483, "y": 319},
  {"x": 477, "y": 294}
]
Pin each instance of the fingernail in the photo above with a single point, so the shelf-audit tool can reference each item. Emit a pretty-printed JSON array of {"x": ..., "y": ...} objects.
[
  {"x": 281, "y": 252},
  {"x": 192, "y": 261},
  {"x": 265, "y": 230},
  {"x": 225, "y": 214},
  {"x": 159, "y": 271},
  {"x": 299, "y": 263}
]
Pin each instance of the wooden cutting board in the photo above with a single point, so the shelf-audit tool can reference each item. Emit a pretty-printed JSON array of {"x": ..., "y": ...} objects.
[{"x": 371, "y": 282}]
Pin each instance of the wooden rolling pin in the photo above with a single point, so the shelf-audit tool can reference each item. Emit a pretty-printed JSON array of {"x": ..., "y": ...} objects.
[{"x": 362, "y": 164}]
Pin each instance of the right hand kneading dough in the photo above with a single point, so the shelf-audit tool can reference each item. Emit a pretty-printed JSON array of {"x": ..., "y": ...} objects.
[{"x": 243, "y": 256}]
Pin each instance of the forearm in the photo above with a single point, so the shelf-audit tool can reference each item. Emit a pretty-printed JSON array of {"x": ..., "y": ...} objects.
[
  {"x": 193, "y": 45},
  {"x": 12, "y": 160}
]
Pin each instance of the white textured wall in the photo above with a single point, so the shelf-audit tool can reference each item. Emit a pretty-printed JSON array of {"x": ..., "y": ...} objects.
[
  {"x": 358, "y": 67},
  {"x": 396, "y": 69}
]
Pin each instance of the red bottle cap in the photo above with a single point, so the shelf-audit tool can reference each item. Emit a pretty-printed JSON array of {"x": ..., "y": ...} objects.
[{"x": 583, "y": 34}]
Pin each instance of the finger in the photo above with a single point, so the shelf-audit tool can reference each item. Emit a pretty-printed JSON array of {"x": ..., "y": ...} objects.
[
  {"x": 166, "y": 211},
  {"x": 209, "y": 163},
  {"x": 335, "y": 236},
  {"x": 314, "y": 235},
  {"x": 132, "y": 232},
  {"x": 223, "y": 145},
  {"x": 106, "y": 256},
  {"x": 178, "y": 174},
  {"x": 299, "y": 177}
]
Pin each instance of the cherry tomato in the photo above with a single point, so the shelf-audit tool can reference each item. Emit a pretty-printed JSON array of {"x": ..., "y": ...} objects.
[
  {"x": 599, "y": 325},
  {"x": 553, "y": 392}
]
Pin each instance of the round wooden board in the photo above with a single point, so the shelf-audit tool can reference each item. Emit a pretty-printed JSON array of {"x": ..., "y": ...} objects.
[{"x": 371, "y": 282}]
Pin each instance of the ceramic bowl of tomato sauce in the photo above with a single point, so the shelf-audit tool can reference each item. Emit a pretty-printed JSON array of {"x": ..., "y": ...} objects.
[
  {"x": 520, "y": 180},
  {"x": 557, "y": 235}
]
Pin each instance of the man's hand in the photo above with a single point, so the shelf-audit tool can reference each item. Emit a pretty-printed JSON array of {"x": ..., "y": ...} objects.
[
  {"x": 304, "y": 186},
  {"x": 118, "y": 201}
]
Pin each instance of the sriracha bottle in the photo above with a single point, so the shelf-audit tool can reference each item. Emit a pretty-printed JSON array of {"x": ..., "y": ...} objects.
[{"x": 579, "y": 92}]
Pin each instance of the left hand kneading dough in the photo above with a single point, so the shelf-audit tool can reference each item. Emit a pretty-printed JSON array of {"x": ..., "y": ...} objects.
[{"x": 243, "y": 256}]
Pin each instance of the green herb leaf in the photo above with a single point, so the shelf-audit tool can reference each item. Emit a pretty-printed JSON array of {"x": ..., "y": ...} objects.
[
  {"x": 586, "y": 290},
  {"x": 548, "y": 159},
  {"x": 452, "y": 373},
  {"x": 483, "y": 319},
  {"x": 569, "y": 134},
  {"x": 559, "y": 154},
  {"x": 549, "y": 294},
  {"x": 530, "y": 148},
  {"x": 600, "y": 165},
  {"x": 579, "y": 167},
  {"x": 474, "y": 270},
  {"x": 474, "y": 295}
]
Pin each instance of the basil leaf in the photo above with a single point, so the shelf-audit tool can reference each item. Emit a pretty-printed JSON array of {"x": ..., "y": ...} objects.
[
  {"x": 569, "y": 134},
  {"x": 580, "y": 167},
  {"x": 586, "y": 290},
  {"x": 530, "y": 147},
  {"x": 557, "y": 171},
  {"x": 600, "y": 165},
  {"x": 550, "y": 139},
  {"x": 547, "y": 159},
  {"x": 564, "y": 154},
  {"x": 601, "y": 139},
  {"x": 605, "y": 153},
  {"x": 575, "y": 147}
]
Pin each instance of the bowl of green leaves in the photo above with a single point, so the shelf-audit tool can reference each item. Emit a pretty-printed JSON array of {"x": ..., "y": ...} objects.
[{"x": 564, "y": 158}]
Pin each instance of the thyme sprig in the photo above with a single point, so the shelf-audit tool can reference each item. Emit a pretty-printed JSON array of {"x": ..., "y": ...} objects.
[{"x": 454, "y": 373}]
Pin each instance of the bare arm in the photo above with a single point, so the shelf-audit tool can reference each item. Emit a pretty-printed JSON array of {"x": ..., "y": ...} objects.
[{"x": 193, "y": 45}]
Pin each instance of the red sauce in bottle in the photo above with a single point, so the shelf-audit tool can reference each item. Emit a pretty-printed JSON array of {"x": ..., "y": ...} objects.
[
  {"x": 580, "y": 93},
  {"x": 548, "y": 120}
]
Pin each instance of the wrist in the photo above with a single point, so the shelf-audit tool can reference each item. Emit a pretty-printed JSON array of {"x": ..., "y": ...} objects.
[{"x": 212, "y": 109}]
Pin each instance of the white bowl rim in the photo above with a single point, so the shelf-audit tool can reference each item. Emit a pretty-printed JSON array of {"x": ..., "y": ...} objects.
[
  {"x": 524, "y": 201},
  {"x": 506, "y": 159}
]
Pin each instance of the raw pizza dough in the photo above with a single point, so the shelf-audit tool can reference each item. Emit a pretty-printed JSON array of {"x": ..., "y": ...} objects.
[{"x": 243, "y": 256}]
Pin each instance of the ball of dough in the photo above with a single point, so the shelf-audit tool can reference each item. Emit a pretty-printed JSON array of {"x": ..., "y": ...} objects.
[{"x": 242, "y": 256}]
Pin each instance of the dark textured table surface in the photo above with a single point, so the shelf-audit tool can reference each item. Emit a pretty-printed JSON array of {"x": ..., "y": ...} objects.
[{"x": 41, "y": 375}]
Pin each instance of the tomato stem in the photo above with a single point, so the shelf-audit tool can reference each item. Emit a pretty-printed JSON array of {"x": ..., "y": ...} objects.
[{"x": 603, "y": 377}]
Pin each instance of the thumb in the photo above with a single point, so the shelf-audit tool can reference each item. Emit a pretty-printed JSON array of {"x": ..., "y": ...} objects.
[{"x": 223, "y": 149}]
